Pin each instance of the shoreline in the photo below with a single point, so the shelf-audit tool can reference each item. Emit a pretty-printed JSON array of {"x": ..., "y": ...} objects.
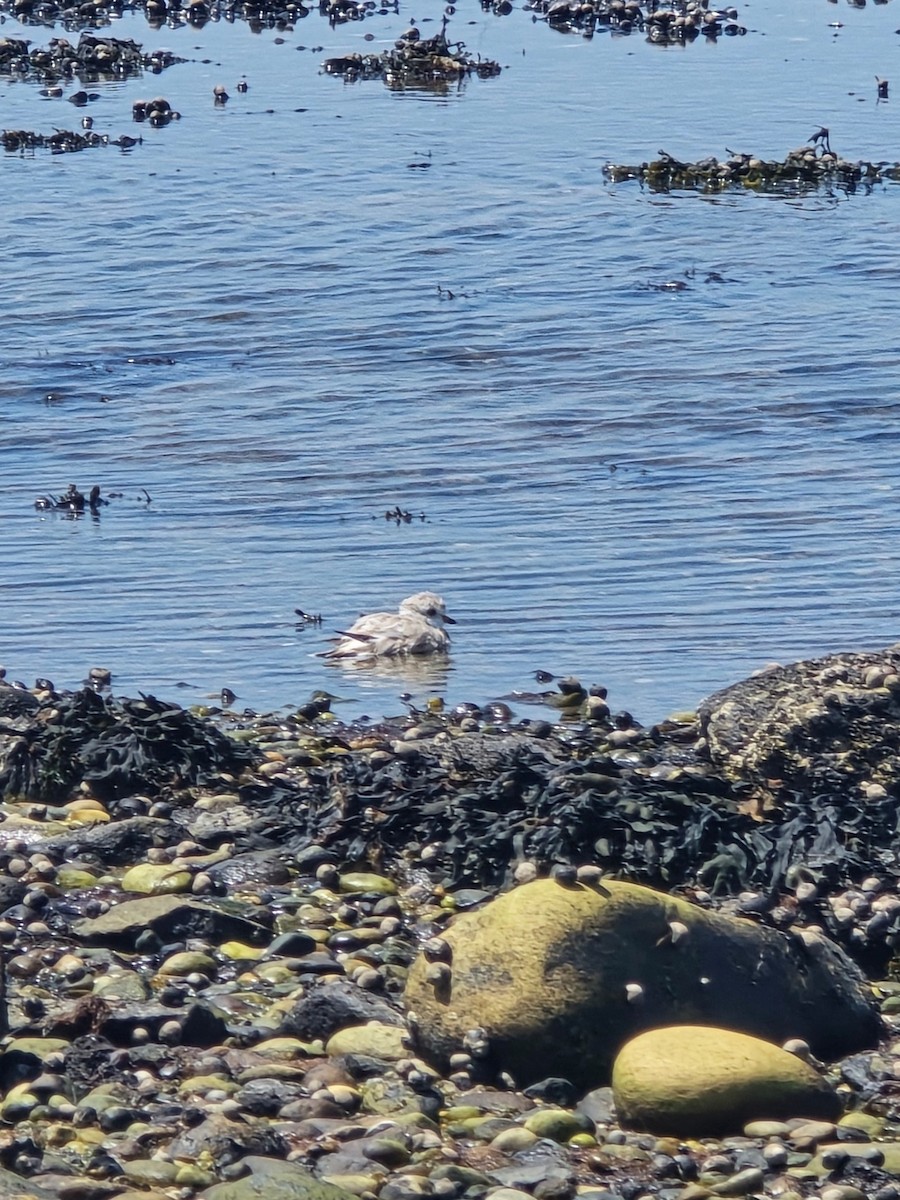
[{"x": 208, "y": 923}]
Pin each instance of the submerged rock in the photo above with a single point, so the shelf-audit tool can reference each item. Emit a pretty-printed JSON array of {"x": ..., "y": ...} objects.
[
  {"x": 556, "y": 978},
  {"x": 700, "y": 1081}
]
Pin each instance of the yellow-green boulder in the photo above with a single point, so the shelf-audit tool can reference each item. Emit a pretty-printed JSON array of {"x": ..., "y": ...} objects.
[
  {"x": 553, "y": 979},
  {"x": 698, "y": 1081},
  {"x": 154, "y": 879},
  {"x": 373, "y": 1039}
]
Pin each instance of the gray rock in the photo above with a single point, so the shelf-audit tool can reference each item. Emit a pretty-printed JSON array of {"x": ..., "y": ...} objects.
[
  {"x": 14, "y": 1187},
  {"x": 598, "y": 1105},
  {"x": 172, "y": 918},
  {"x": 11, "y": 892},
  {"x": 334, "y": 1006},
  {"x": 117, "y": 843},
  {"x": 200, "y": 1026},
  {"x": 271, "y": 1179},
  {"x": 257, "y": 867},
  {"x": 266, "y": 1097},
  {"x": 294, "y": 943},
  {"x": 228, "y": 1141}
]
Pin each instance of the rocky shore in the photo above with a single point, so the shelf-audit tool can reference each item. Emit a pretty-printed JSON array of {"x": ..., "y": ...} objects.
[{"x": 453, "y": 954}]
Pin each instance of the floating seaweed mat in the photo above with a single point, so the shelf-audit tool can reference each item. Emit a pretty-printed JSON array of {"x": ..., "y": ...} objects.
[
  {"x": 804, "y": 169},
  {"x": 93, "y": 58},
  {"x": 61, "y": 141},
  {"x": 414, "y": 61},
  {"x": 664, "y": 24}
]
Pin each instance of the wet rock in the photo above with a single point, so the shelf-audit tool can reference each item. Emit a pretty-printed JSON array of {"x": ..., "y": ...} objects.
[
  {"x": 171, "y": 918},
  {"x": 12, "y": 891},
  {"x": 271, "y": 1179},
  {"x": 122, "y": 841},
  {"x": 255, "y": 869},
  {"x": 557, "y": 1124},
  {"x": 266, "y": 1097},
  {"x": 226, "y": 1141},
  {"x": 152, "y": 879},
  {"x": 333, "y": 1006},
  {"x": 558, "y": 978},
  {"x": 116, "y": 1021},
  {"x": 14, "y": 1187},
  {"x": 698, "y": 1081}
]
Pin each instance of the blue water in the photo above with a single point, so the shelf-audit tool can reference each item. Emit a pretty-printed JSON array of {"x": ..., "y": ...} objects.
[{"x": 249, "y": 316}]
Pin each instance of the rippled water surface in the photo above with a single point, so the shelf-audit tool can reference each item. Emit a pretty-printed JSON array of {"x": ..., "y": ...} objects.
[{"x": 285, "y": 316}]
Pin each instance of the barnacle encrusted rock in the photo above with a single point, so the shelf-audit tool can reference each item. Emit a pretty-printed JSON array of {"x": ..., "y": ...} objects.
[
  {"x": 825, "y": 725},
  {"x": 700, "y": 1081},
  {"x": 558, "y": 977}
]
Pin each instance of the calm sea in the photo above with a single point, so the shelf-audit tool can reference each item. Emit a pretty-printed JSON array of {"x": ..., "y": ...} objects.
[{"x": 281, "y": 323}]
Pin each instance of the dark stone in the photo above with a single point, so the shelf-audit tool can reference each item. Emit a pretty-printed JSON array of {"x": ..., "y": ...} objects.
[
  {"x": 333, "y": 1006},
  {"x": 118, "y": 843},
  {"x": 295, "y": 943},
  {"x": 200, "y": 1026},
  {"x": 251, "y": 870},
  {"x": 266, "y": 1097},
  {"x": 228, "y": 1141},
  {"x": 553, "y": 1091}
]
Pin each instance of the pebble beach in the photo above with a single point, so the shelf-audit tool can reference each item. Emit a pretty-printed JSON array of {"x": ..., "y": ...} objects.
[{"x": 227, "y": 935}]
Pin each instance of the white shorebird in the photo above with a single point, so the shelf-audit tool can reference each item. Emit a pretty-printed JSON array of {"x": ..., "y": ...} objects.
[{"x": 417, "y": 628}]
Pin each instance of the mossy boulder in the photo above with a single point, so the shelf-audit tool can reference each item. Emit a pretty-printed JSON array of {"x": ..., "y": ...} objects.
[
  {"x": 559, "y": 977},
  {"x": 698, "y": 1081}
]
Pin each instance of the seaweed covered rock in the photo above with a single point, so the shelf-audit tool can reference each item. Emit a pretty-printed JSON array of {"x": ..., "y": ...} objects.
[
  {"x": 827, "y": 725},
  {"x": 554, "y": 978},
  {"x": 801, "y": 170},
  {"x": 429, "y": 63},
  {"x": 700, "y": 1081},
  {"x": 118, "y": 746}
]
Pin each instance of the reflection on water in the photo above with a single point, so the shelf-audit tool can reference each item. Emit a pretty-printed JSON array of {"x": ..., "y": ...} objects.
[{"x": 416, "y": 676}]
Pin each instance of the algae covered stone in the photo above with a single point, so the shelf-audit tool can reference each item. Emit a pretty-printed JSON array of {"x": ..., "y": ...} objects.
[
  {"x": 373, "y": 1039},
  {"x": 699, "y": 1081},
  {"x": 270, "y": 1179},
  {"x": 152, "y": 879},
  {"x": 556, "y": 977}
]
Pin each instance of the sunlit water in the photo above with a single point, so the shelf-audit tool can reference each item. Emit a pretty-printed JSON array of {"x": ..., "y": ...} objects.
[{"x": 272, "y": 317}]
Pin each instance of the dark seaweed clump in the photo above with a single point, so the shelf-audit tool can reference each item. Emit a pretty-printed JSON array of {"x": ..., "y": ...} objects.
[
  {"x": 96, "y": 14},
  {"x": 414, "y": 62},
  {"x": 118, "y": 746},
  {"x": 94, "y": 58},
  {"x": 60, "y": 141},
  {"x": 804, "y": 169},
  {"x": 485, "y": 803},
  {"x": 664, "y": 24}
]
